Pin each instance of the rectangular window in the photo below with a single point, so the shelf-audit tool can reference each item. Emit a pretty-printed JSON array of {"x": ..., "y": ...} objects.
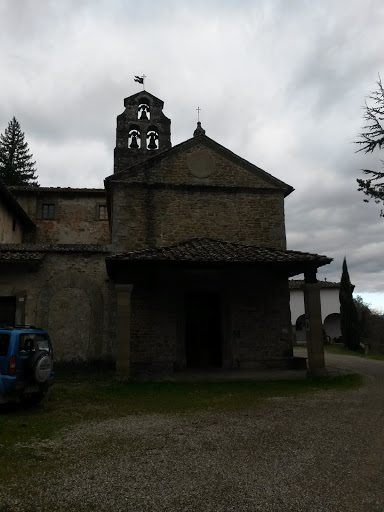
[
  {"x": 48, "y": 211},
  {"x": 31, "y": 342},
  {"x": 4, "y": 342},
  {"x": 103, "y": 212}
]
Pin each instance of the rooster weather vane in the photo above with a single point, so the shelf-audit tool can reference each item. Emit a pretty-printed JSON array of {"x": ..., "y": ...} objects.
[{"x": 140, "y": 79}]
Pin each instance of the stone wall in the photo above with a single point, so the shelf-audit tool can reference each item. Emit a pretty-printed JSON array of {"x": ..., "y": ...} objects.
[
  {"x": 255, "y": 325},
  {"x": 146, "y": 217},
  {"x": 154, "y": 336},
  {"x": 76, "y": 219},
  {"x": 197, "y": 193},
  {"x": 261, "y": 325},
  {"x": 201, "y": 165},
  {"x": 10, "y": 227},
  {"x": 69, "y": 296}
]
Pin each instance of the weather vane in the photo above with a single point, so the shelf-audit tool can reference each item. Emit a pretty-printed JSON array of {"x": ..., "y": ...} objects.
[{"x": 140, "y": 79}]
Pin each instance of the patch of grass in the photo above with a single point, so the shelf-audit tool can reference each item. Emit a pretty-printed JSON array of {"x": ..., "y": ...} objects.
[
  {"x": 339, "y": 349},
  {"x": 76, "y": 400},
  {"x": 98, "y": 398}
]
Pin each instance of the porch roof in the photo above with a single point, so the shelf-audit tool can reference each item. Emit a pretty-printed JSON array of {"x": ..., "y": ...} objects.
[{"x": 207, "y": 250}]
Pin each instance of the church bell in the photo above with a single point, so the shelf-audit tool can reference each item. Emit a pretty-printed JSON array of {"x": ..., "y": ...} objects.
[
  {"x": 152, "y": 141},
  {"x": 134, "y": 144}
]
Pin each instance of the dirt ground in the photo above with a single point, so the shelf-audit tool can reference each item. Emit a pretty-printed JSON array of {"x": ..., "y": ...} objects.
[{"x": 316, "y": 452}]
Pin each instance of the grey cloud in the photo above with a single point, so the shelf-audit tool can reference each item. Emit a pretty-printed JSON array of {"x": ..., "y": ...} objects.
[{"x": 280, "y": 83}]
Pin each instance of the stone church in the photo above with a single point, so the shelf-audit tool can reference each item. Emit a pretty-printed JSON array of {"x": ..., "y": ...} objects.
[{"x": 179, "y": 262}]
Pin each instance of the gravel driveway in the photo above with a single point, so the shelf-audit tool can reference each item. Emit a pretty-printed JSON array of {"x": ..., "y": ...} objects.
[{"x": 320, "y": 452}]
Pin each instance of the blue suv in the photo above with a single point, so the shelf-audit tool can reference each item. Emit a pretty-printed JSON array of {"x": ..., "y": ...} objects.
[{"x": 26, "y": 364}]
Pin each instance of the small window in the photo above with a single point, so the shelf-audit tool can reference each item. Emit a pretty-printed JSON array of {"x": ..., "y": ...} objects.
[
  {"x": 48, "y": 211},
  {"x": 103, "y": 212}
]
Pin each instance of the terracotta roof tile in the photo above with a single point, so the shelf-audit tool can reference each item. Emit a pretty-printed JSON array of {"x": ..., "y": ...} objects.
[{"x": 218, "y": 251}]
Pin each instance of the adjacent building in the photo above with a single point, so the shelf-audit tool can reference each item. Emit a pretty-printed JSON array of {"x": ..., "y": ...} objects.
[{"x": 330, "y": 309}]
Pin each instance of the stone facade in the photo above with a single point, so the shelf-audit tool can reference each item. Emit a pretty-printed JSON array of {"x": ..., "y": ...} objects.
[
  {"x": 254, "y": 327},
  {"x": 65, "y": 215},
  {"x": 68, "y": 294},
  {"x": 215, "y": 207},
  {"x": 76, "y": 266}
]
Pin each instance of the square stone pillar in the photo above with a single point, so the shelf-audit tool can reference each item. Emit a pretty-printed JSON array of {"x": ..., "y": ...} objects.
[
  {"x": 314, "y": 327},
  {"x": 123, "y": 329}
]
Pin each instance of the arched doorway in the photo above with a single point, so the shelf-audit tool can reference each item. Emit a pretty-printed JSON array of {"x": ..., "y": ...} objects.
[
  {"x": 332, "y": 326},
  {"x": 301, "y": 336}
]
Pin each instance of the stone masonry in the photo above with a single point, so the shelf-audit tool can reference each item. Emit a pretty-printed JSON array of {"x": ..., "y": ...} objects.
[{"x": 70, "y": 258}]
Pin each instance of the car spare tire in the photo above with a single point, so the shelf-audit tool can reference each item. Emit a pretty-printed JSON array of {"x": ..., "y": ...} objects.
[{"x": 41, "y": 365}]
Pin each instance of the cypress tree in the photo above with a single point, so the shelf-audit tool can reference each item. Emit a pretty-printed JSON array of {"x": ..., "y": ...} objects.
[
  {"x": 16, "y": 165},
  {"x": 349, "y": 320}
]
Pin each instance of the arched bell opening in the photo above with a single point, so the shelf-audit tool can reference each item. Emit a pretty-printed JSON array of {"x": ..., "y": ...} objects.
[
  {"x": 134, "y": 141},
  {"x": 152, "y": 138},
  {"x": 143, "y": 110}
]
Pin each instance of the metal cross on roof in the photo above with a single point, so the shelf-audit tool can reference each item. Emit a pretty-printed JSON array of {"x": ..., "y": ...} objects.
[{"x": 198, "y": 114}]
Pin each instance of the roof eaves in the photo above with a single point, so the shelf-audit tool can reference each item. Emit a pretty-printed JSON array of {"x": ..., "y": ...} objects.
[
  {"x": 44, "y": 248},
  {"x": 210, "y": 250},
  {"x": 14, "y": 206},
  {"x": 58, "y": 190}
]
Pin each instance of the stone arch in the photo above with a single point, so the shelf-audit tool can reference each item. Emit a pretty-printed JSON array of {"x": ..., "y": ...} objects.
[
  {"x": 73, "y": 303},
  {"x": 332, "y": 326},
  {"x": 144, "y": 109},
  {"x": 134, "y": 137},
  {"x": 152, "y": 138},
  {"x": 301, "y": 334}
]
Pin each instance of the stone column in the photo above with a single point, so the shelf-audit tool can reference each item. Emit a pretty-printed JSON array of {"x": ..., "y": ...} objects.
[
  {"x": 314, "y": 325},
  {"x": 123, "y": 329}
]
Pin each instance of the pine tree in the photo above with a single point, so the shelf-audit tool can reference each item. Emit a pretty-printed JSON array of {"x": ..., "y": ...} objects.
[
  {"x": 349, "y": 320},
  {"x": 16, "y": 165}
]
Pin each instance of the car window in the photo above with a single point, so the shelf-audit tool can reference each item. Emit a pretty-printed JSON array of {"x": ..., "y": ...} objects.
[
  {"x": 4, "y": 342},
  {"x": 31, "y": 341}
]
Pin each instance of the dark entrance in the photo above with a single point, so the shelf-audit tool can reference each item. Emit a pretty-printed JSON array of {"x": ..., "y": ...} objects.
[
  {"x": 7, "y": 310},
  {"x": 203, "y": 330}
]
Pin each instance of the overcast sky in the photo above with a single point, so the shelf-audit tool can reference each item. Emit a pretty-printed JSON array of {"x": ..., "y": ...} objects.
[{"x": 280, "y": 82}]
